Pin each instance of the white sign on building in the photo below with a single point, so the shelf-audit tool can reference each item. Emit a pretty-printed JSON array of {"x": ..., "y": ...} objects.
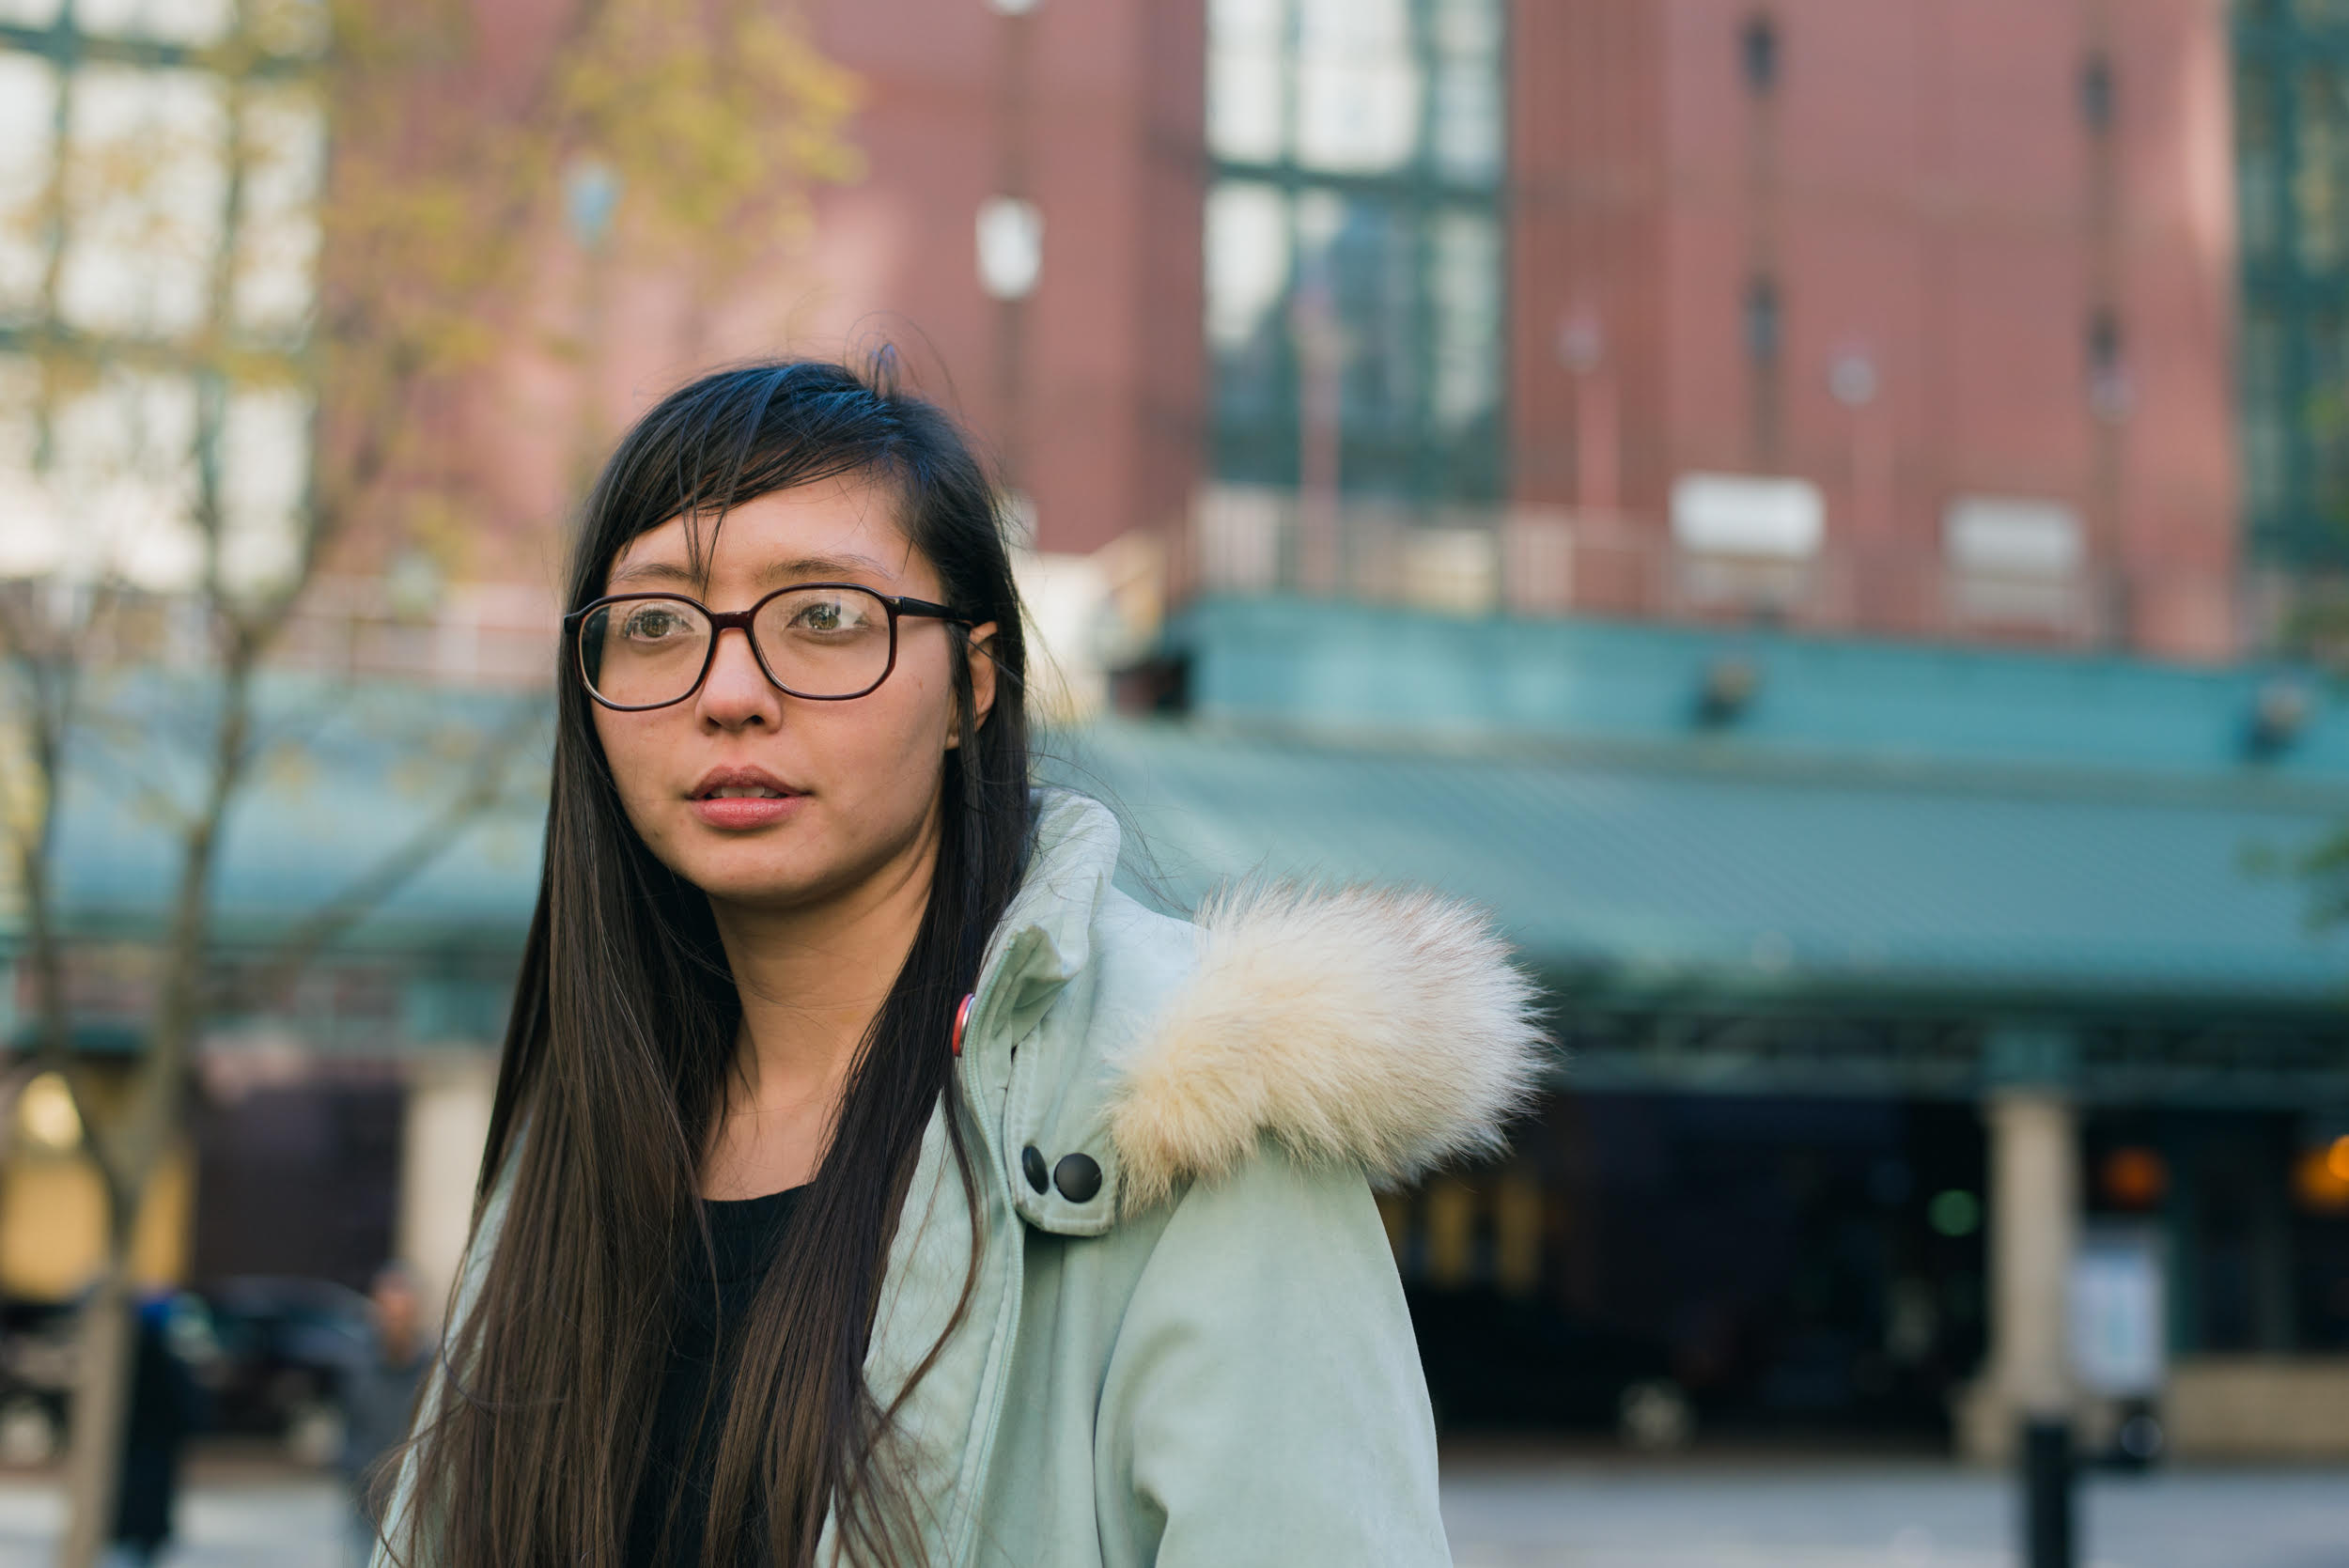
[
  {"x": 1747, "y": 516},
  {"x": 2120, "y": 1322}
]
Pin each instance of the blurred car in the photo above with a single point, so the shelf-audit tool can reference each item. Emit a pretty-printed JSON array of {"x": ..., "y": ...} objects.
[
  {"x": 36, "y": 1365},
  {"x": 269, "y": 1355},
  {"x": 281, "y": 1352},
  {"x": 41, "y": 1355}
]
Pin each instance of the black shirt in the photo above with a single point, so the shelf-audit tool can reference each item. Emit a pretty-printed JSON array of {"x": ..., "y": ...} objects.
[{"x": 744, "y": 1235}]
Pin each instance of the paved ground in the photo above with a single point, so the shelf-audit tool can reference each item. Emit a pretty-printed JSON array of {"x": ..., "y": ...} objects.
[
  {"x": 1702, "y": 1515},
  {"x": 1563, "y": 1513},
  {"x": 244, "y": 1523}
]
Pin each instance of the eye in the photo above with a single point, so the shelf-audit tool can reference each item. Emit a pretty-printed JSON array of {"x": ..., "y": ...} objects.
[
  {"x": 829, "y": 615},
  {"x": 653, "y": 623}
]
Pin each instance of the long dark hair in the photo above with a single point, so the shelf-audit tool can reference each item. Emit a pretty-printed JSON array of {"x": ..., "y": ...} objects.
[{"x": 623, "y": 1034}]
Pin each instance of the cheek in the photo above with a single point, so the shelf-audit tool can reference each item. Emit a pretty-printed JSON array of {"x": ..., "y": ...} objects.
[
  {"x": 928, "y": 721},
  {"x": 631, "y": 748},
  {"x": 880, "y": 761},
  {"x": 889, "y": 749}
]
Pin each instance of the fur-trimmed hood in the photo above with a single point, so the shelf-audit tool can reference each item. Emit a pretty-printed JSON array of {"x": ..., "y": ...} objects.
[{"x": 1386, "y": 1029}]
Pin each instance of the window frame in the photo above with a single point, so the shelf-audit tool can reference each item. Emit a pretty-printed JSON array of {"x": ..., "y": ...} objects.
[{"x": 1258, "y": 440}]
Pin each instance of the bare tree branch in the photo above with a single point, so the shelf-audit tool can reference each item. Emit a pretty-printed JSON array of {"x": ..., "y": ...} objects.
[{"x": 488, "y": 783}]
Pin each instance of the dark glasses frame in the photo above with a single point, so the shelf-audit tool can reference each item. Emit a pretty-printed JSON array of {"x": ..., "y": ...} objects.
[{"x": 720, "y": 620}]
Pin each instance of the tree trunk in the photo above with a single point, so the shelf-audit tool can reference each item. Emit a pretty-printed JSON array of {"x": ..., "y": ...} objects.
[
  {"x": 151, "y": 1123},
  {"x": 100, "y": 1416}
]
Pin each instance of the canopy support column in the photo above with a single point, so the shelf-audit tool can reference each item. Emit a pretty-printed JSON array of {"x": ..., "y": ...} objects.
[
  {"x": 2033, "y": 1231},
  {"x": 448, "y": 1122}
]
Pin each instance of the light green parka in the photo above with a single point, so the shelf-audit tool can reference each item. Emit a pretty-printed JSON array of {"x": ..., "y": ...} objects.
[{"x": 1205, "y": 1361}]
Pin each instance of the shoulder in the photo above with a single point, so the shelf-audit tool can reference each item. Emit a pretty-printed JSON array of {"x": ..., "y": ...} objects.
[
  {"x": 1352, "y": 1032},
  {"x": 1386, "y": 1031}
]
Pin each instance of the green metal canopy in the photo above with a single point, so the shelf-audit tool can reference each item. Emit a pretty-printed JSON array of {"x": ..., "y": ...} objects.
[
  {"x": 1663, "y": 869},
  {"x": 1707, "y": 914}
]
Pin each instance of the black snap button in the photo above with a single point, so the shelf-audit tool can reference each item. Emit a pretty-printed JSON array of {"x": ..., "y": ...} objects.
[
  {"x": 1078, "y": 1178},
  {"x": 1031, "y": 1166}
]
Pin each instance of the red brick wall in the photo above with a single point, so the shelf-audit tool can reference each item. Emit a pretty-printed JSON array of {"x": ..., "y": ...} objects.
[
  {"x": 1089, "y": 393},
  {"x": 1090, "y": 390},
  {"x": 1921, "y": 182}
]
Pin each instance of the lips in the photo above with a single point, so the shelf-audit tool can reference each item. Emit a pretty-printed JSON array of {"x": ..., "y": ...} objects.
[{"x": 739, "y": 799}]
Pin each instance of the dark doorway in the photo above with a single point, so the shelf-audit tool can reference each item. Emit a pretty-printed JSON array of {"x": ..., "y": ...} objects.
[{"x": 1783, "y": 1265}]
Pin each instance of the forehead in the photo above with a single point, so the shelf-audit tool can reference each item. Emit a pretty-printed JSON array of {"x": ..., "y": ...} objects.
[{"x": 846, "y": 528}]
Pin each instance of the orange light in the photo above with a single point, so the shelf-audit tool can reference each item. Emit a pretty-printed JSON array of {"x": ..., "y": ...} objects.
[
  {"x": 2135, "y": 1178},
  {"x": 2321, "y": 1178}
]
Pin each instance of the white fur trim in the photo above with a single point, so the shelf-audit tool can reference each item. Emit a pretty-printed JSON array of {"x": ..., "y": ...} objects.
[{"x": 1386, "y": 1028}]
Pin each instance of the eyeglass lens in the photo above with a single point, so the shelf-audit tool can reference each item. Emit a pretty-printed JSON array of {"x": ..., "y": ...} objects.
[{"x": 815, "y": 643}]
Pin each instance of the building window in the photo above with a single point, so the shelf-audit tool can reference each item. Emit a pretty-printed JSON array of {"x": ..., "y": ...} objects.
[
  {"x": 2265, "y": 437},
  {"x": 2259, "y": 158},
  {"x": 2104, "y": 345},
  {"x": 2110, "y": 394},
  {"x": 172, "y": 176},
  {"x": 2292, "y": 161},
  {"x": 1758, "y": 48},
  {"x": 1353, "y": 243},
  {"x": 1764, "y": 329},
  {"x": 2320, "y": 182},
  {"x": 2096, "y": 94}
]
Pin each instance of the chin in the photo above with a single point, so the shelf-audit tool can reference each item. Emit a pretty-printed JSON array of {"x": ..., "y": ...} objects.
[{"x": 737, "y": 877}]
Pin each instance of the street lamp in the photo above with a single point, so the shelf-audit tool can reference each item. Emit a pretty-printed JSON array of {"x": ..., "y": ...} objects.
[
  {"x": 1011, "y": 246},
  {"x": 1852, "y": 379},
  {"x": 1581, "y": 342},
  {"x": 1583, "y": 350},
  {"x": 591, "y": 195}
]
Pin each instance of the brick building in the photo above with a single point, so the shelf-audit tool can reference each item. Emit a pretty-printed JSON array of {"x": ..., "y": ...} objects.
[
  {"x": 1547, "y": 304},
  {"x": 1912, "y": 320}
]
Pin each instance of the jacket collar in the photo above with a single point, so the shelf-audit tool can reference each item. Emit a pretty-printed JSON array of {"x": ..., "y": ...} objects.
[
  {"x": 1026, "y": 1034},
  {"x": 1385, "y": 1029},
  {"x": 1044, "y": 938}
]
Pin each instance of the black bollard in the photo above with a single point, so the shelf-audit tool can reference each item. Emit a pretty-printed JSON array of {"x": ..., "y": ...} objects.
[{"x": 2047, "y": 1493}]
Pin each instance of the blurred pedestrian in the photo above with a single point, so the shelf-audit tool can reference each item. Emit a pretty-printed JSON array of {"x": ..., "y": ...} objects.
[
  {"x": 163, "y": 1408},
  {"x": 869, "y": 1180},
  {"x": 379, "y": 1393}
]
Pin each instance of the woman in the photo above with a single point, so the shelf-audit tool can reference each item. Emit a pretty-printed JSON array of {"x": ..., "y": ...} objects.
[{"x": 870, "y": 1180}]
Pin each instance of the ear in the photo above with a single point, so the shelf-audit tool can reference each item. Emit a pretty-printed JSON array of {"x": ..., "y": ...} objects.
[{"x": 978, "y": 652}]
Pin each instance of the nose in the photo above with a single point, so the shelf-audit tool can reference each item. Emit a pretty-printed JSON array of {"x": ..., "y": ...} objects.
[{"x": 737, "y": 695}]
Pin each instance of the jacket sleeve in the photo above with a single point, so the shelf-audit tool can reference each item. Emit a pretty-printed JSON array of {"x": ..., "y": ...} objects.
[{"x": 1264, "y": 1402}]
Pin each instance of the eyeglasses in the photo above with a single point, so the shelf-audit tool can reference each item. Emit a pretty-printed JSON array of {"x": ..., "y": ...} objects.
[{"x": 826, "y": 641}]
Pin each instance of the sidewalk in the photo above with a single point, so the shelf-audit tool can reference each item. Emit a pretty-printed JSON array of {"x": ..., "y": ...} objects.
[
  {"x": 248, "y": 1522},
  {"x": 1528, "y": 1513},
  {"x": 1581, "y": 1513}
]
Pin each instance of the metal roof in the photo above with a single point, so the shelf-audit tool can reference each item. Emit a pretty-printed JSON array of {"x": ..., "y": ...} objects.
[
  {"x": 1661, "y": 869},
  {"x": 345, "y": 777},
  {"x": 1648, "y": 868},
  {"x": 1277, "y": 660}
]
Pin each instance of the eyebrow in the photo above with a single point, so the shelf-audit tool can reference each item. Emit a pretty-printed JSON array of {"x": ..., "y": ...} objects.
[{"x": 777, "y": 571}]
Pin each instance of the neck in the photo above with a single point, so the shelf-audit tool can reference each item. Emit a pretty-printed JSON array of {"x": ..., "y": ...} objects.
[{"x": 812, "y": 978}]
